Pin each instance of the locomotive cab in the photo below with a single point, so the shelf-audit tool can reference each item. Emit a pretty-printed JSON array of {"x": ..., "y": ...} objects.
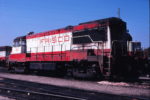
[
  {"x": 17, "y": 57},
  {"x": 18, "y": 53},
  {"x": 19, "y": 45}
]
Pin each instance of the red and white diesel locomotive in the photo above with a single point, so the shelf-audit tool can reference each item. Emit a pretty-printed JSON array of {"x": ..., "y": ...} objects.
[{"x": 100, "y": 48}]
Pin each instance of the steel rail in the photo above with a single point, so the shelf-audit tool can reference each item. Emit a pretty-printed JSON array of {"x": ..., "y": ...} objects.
[
  {"x": 42, "y": 89},
  {"x": 41, "y": 93}
]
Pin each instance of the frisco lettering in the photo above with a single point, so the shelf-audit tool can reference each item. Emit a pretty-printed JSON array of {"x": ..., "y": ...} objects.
[{"x": 55, "y": 39}]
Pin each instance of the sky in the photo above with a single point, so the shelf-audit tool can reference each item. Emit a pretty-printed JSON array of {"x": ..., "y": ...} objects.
[{"x": 18, "y": 17}]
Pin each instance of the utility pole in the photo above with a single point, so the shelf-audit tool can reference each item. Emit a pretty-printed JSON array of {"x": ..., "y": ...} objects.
[{"x": 118, "y": 12}]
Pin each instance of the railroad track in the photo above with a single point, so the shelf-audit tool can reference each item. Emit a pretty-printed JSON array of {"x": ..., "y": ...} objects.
[
  {"x": 26, "y": 91},
  {"x": 24, "y": 94},
  {"x": 32, "y": 95},
  {"x": 23, "y": 90}
]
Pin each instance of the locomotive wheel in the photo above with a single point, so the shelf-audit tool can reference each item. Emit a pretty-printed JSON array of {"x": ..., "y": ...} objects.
[{"x": 88, "y": 73}]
